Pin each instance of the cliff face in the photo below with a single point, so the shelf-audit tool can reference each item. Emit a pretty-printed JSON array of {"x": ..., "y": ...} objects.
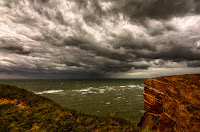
[{"x": 172, "y": 103}]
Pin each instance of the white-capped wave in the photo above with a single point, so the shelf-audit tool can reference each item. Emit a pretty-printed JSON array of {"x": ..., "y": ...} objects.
[
  {"x": 136, "y": 86},
  {"x": 141, "y": 87},
  {"x": 107, "y": 103},
  {"x": 101, "y": 90},
  {"x": 90, "y": 90},
  {"x": 50, "y": 91},
  {"x": 83, "y": 90},
  {"x": 132, "y": 86}
]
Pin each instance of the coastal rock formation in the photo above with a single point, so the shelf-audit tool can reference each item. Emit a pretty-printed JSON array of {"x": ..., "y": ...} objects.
[{"x": 172, "y": 104}]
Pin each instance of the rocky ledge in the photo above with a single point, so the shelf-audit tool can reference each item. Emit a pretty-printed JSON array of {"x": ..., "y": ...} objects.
[{"x": 172, "y": 103}]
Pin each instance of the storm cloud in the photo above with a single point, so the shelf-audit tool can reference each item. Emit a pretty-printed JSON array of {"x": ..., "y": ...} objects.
[{"x": 98, "y": 38}]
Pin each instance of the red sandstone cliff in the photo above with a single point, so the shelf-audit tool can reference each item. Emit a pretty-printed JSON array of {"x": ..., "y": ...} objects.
[{"x": 172, "y": 104}]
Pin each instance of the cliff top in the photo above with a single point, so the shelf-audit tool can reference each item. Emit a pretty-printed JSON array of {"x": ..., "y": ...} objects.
[{"x": 187, "y": 79}]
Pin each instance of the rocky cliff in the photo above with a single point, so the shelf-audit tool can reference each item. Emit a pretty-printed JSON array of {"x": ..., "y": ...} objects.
[{"x": 172, "y": 104}]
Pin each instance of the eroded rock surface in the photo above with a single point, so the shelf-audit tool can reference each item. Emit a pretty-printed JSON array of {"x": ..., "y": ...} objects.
[{"x": 172, "y": 103}]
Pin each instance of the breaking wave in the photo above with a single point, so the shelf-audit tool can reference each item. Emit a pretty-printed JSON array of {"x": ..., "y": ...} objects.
[
  {"x": 50, "y": 92},
  {"x": 90, "y": 90},
  {"x": 101, "y": 90},
  {"x": 136, "y": 86}
]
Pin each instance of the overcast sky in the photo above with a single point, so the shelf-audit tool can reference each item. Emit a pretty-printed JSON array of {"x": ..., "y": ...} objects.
[{"x": 99, "y": 38}]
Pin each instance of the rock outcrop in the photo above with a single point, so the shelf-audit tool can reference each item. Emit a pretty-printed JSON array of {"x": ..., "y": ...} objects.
[{"x": 172, "y": 104}]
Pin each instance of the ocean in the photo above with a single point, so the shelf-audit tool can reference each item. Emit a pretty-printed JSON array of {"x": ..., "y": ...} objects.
[{"x": 123, "y": 97}]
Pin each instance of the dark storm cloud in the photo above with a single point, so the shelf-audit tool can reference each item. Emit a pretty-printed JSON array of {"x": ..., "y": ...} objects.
[
  {"x": 15, "y": 49},
  {"x": 93, "y": 47},
  {"x": 111, "y": 60},
  {"x": 156, "y": 9},
  {"x": 92, "y": 18},
  {"x": 176, "y": 53},
  {"x": 135, "y": 10},
  {"x": 97, "y": 38},
  {"x": 10, "y": 45},
  {"x": 158, "y": 29},
  {"x": 197, "y": 6},
  {"x": 193, "y": 63},
  {"x": 127, "y": 41}
]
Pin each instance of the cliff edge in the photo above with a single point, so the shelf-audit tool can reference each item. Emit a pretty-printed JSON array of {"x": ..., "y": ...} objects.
[{"x": 172, "y": 103}]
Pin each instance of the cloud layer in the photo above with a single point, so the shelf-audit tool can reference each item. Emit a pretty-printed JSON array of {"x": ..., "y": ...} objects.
[{"x": 97, "y": 38}]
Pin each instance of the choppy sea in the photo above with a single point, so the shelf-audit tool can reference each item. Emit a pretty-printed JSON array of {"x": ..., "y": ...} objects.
[{"x": 100, "y": 97}]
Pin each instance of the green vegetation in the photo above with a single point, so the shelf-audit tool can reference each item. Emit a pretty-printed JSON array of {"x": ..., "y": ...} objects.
[
  {"x": 146, "y": 130},
  {"x": 42, "y": 114}
]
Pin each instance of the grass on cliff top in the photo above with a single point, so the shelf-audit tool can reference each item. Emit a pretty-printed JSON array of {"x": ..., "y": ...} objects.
[{"x": 45, "y": 115}]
